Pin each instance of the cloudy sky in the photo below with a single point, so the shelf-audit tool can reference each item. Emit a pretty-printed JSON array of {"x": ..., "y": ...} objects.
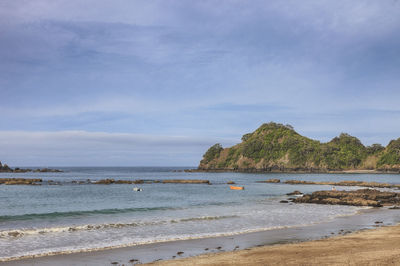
[{"x": 139, "y": 83}]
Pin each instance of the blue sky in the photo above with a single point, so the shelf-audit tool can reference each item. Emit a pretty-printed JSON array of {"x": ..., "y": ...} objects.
[{"x": 130, "y": 83}]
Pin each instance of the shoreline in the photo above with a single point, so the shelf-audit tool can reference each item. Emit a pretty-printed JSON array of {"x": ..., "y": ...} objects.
[
  {"x": 288, "y": 171},
  {"x": 164, "y": 251},
  {"x": 366, "y": 247}
]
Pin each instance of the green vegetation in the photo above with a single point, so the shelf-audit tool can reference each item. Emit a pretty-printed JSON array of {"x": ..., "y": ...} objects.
[
  {"x": 278, "y": 146},
  {"x": 391, "y": 155},
  {"x": 375, "y": 149},
  {"x": 344, "y": 152},
  {"x": 212, "y": 152}
]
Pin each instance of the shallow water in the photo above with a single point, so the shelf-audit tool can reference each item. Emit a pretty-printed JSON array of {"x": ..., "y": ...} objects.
[{"x": 38, "y": 220}]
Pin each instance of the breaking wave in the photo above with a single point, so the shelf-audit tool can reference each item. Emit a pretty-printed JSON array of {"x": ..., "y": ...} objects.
[{"x": 92, "y": 227}]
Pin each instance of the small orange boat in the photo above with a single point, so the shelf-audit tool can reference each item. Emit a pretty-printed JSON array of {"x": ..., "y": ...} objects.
[{"x": 236, "y": 188}]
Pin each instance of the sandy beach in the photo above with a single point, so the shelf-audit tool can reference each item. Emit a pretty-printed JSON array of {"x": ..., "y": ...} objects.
[
  {"x": 370, "y": 247},
  {"x": 338, "y": 241}
]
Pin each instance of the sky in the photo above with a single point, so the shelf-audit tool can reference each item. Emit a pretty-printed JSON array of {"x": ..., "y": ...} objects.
[{"x": 155, "y": 83}]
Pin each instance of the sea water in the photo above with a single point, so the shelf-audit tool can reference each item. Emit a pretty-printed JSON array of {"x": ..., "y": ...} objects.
[{"x": 70, "y": 217}]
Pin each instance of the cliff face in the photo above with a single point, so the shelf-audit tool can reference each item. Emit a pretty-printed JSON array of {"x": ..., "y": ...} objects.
[{"x": 277, "y": 147}]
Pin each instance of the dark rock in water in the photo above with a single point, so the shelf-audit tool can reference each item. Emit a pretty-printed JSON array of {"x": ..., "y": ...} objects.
[
  {"x": 14, "y": 233},
  {"x": 230, "y": 183},
  {"x": 296, "y": 192},
  {"x": 180, "y": 253},
  {"x": 343, "y": 183},
  {"x": 378, "y": 222},
  {"x": 395, "y": 208},
  {"x": 114, "y": 262},
  {"x": 206, "y": 249},
  {"x": 5, "y": 168},
  {"x": 47, "y": 170},
  {"x": 185, "y": 181},
  {"x": 129, "y": 182},
  {"x": 299, "y": 182},
  {"x": 274, "y": 180},
  {"x": 284, "y": 201},
  {"x": 105, "y": 181},
  {"x": 218, "y": 247},
  {"x": 361, "y": 197}
]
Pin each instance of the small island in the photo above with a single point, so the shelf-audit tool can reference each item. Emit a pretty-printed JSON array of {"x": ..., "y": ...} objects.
[
  {"x": 4, "y": 168},
  {"x": 276, "y": 147}
]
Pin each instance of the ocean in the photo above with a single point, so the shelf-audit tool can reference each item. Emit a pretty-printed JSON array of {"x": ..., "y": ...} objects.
[{"x": 70, "y": 217}]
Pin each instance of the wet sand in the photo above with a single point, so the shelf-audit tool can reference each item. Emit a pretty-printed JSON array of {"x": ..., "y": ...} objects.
[
  {"x": 371, "y": 247},
  {"x": 241, "y": 244}
]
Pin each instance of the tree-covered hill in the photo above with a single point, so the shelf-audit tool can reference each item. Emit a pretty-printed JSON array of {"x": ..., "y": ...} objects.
[{"x": 277, "y": 147}]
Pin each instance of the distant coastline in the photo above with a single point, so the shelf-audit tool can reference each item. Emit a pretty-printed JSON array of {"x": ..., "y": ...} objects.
[
  {"x": 294, "y": 171},
  {"x": 4, "y": 168}
]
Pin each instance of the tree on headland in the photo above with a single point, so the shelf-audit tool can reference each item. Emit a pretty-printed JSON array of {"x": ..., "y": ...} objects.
[{"x": 212, "y": 152}]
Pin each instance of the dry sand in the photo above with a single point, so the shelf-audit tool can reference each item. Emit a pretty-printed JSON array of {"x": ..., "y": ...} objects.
[{"x": 370, "y": 247}]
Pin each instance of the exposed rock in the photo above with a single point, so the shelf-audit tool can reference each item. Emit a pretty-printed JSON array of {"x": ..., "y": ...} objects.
[
  {"x": 167, "y": 181},
  {"x": 47, "y": 170},
  {"x": 361, "y": 197},
  {"x": 14, "y": 233},
  {"x": 186, "y": 181},
  {"x": 284, "y": 201},
  {"x": 7, "y": 169},
  {"x": 20, "y": 181},
  {"x": 274, "y": 180},
  {"x": 129, "y": 182},
  {"x": 343, "y": 183},
  {"x": 105, "y": 181},
  {"x": 296, "y": 192},
  {"x": 299, "y": 182},
  {"x": 230, "y": 183}
]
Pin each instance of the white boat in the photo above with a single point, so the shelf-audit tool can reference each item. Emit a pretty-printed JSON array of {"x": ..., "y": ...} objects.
[{"x": 137, "y": 189}]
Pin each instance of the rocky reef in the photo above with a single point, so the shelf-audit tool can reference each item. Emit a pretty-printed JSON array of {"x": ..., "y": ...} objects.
[
  {"x": 21, "y": 181},
  {"x": 344, "y": 183},
  {"x": 361, "y": 197},
  {"x": 273, "y": 180},
  {"x": 165, "y": 181},
  {"x": 108, "y": 181},
  {"x": 186, "y": 181},
  {"x": 113, "y": 181}
]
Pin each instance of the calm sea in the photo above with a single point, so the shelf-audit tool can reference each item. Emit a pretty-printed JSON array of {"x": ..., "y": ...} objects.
[{"x": 37, "y": 220}]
